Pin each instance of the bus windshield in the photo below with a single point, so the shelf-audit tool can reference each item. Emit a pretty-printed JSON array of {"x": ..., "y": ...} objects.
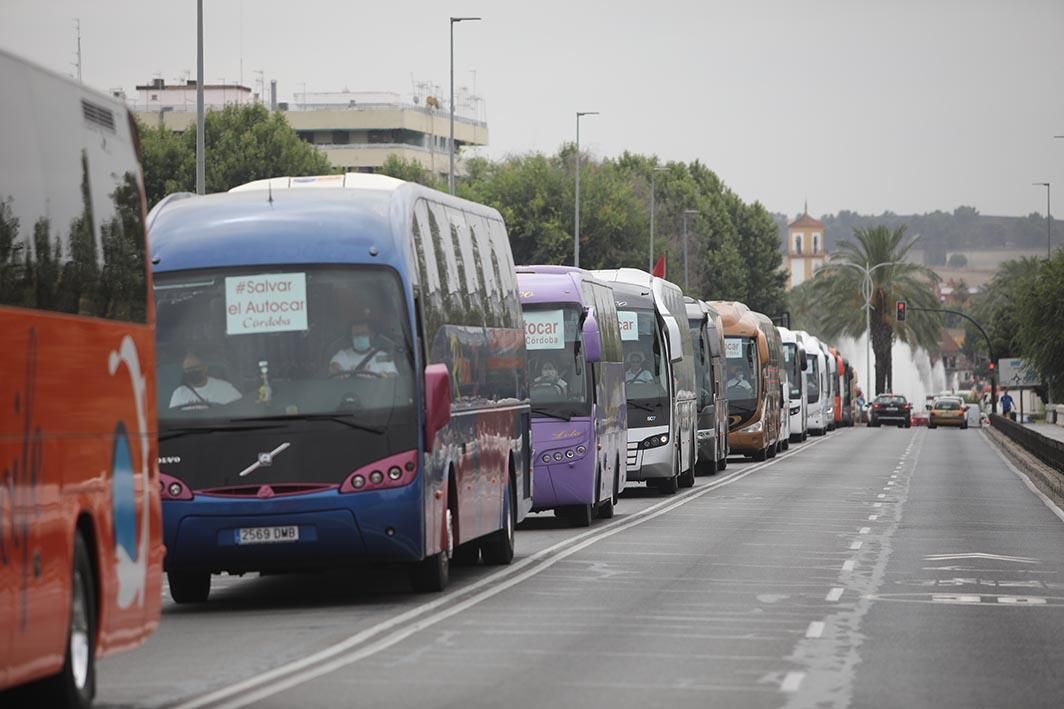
[
  {"x": 794, "y": 368},
  {"x": 743, "y": 367},
  {"x": 283, "y": 343},
  {"x": 556, "y": 367},
  {"x": 645, "y": 368}
]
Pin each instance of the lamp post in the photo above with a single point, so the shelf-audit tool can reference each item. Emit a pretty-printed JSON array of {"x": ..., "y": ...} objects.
[
  {"x": 685, "y": 213},
  {"x": 1049, "y": 219},
  {"x": 576, "y": 217},
  {"x": 653, "y": 192},
  {"x": 866, "y": 289},
  {"x": 201, "y": 161},
  {"x": 450, "y": 148}
]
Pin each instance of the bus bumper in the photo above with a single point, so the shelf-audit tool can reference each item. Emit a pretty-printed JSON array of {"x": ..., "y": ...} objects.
[
  {"x": 333, "y": 529},
  {"x": 568, "y": 483},
  {"x": 649, "y": 463},
  {"x": 747, "y": 443}
]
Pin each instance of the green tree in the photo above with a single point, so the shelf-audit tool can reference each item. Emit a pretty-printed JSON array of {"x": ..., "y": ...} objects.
[
  {"x": 840, "y": 290},
  {"x": 1040, "y": 316},
  {"x": 242, "y": 143},
  {"x": 411, "y": 171}
]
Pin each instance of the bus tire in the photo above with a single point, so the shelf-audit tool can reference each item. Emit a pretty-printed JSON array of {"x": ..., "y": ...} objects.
[
  {"x": 667, "y": 486},
  {"x": 722, "y": 462},
  {"x": 433, "y": 573},
  {"x": 605, "y": 508},
  {"x": 498, "y": 548},
  {"x": 760, "y": 455},
  {"x": 189, "y": 586},
  {"x": 75, "y": 685},
  {"x": 467, "y": 554}
]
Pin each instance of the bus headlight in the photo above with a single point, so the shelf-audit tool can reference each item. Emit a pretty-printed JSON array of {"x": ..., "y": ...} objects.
[
  {"x": 394, "y": 473},
  {"x": 756, "y": 428},
  {"x": 655, "y": 441}
]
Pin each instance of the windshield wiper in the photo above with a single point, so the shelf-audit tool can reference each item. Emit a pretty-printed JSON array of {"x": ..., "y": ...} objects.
[
  {"x": 644, "y": 407},
  {"x": 338, "y": 418},
  {"x": 178, "y": 431},
  {"x": 550, "y": 414}
]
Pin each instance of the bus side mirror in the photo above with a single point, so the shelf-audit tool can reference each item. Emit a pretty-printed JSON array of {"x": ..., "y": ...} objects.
[
  {"x": 590, "y": 337},
  {"x": 437, "y": 401},
  {"x": 675, "y": 343},
  {"x": 803, "y": 359}
]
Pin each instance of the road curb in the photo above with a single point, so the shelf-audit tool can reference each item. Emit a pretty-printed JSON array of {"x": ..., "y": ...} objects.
[{"x": 1045, "y": 478}]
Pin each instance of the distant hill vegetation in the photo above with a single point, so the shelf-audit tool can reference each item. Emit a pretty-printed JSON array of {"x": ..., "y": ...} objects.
[{"x": 943, "y": 233}]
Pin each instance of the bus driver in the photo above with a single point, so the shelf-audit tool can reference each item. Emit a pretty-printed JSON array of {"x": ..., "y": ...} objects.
[{"x": 366, "y": 355}]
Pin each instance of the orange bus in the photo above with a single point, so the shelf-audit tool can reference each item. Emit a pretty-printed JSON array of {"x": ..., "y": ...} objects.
[
  {"x": 80, "y": 523},
  {"x": 753, "y": 356}
]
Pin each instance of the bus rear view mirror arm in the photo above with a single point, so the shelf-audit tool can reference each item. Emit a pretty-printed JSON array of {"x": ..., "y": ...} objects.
[
  {"x": 675, "y": 343},
  {"x": 437, "y": 401}
]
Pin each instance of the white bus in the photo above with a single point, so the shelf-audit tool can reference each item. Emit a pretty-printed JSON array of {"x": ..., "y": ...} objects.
[
  {"x": 659, "y": 378},
  {"x": 817, "y": 388},
  {"x": 795, "y": 364}
]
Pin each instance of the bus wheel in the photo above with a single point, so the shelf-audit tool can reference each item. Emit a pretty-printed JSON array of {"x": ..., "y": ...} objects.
[
  {"x": 433, "y": 573},
  {"x": 667, "y": 486},
  {"x": 605, "y": 508},
  {"x": 75, "y": 685},
  {"x": 189, "y": 586},
  {"x": 498, "y": 548},
  {"x": 761, "y": 454},
  {"x": 722, "y": 462},
  {"x": 467, "y": 554},
  {"x": 576, "y": 515}
]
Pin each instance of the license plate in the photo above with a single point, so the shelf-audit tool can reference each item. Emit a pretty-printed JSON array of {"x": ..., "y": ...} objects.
[{"x": 267, "y": 535}]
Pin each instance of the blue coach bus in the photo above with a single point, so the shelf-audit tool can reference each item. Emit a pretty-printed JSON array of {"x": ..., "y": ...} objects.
[
  {"x": 342, "y": 378},
  {"x": 579, "y": 413}
]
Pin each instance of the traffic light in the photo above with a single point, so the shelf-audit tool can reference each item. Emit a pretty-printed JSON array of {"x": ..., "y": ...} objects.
[{"x": 901, "y": 311}]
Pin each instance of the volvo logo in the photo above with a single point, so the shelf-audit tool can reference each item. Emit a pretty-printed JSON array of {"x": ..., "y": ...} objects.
[
  {"x": 169, "y": 459},
  {"x": 265, "y": 460}
]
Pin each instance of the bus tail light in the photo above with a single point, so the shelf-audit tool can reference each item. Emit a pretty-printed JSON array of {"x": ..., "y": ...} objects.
[{"x": 391, "y": 472}]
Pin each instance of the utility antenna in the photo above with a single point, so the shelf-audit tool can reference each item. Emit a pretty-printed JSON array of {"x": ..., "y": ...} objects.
[{"x": 77, "y": 35}]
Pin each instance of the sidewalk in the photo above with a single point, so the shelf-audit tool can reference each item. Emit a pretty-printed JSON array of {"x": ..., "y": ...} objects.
[{"x": 1049, "y": 430}]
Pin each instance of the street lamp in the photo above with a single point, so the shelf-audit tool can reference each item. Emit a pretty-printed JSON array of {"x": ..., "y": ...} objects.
[
  {"x": 867, "y": 292},
  {"x": 450, "y": 149},
  {"x": 201, "y": 160},
  {"x": 1049, "y": 219},
  {"x": 685, "y": 213},
  {"x": 653, "y": 192},
  {"x": 576, "y": 218}
]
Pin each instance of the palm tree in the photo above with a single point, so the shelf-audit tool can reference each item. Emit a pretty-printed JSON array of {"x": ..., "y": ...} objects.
[{"x": 878, "y": 253}]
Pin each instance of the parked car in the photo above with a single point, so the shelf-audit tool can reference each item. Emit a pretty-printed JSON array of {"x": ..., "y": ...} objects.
[
  {"x": 891, "y": 408},
  {"x": 948, "y": 411}
]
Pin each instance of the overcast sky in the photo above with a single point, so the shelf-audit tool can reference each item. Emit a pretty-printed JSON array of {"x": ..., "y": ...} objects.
[{"x": 901, "y": 105}]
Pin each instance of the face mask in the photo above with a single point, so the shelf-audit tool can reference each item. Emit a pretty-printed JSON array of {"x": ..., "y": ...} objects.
[
  {"x": 196, "y": 376},
  {"x": 360, "y": 342}
]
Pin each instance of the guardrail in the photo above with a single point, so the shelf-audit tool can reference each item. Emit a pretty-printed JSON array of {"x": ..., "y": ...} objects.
[{"x": 1048, "y": 450}]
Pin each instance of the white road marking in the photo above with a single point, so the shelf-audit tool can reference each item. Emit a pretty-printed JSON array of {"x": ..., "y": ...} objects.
[
  {"x": 956, "y": 598},
  {"x": 856, "y": 545},
  {"x": 881, "y": 496},
  {"x": 848, "y": 565},
  {"x": 834, "y": 594},
  {"x": 359, "y": 646},
  {"x": 873, "y": 518},
  {"x": 816, "y": 629},
  {"x": 865, "y": 530},
  {"x": 877, "y": 504},
  {"x": 792, "y": 682},
  {"x": 1022, "y": 600},
  {"x": 981, "y": 555}
]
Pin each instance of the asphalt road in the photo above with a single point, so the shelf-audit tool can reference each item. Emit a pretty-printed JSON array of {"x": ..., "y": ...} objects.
[{"x": 870, "y": 568}]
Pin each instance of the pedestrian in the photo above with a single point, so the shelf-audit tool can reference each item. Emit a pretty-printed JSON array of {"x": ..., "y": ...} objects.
[{"x": 1006, "y": 406}]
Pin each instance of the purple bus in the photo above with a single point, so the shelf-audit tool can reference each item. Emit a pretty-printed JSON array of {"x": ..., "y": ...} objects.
[{"x": 576, "y": 370}]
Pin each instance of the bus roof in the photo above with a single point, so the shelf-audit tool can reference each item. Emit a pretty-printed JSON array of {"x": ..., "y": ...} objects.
[
  {"x": 351, "y": 218},
  {"x": 737, "y": 319},
  {"x": 535, "y": 288}
]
